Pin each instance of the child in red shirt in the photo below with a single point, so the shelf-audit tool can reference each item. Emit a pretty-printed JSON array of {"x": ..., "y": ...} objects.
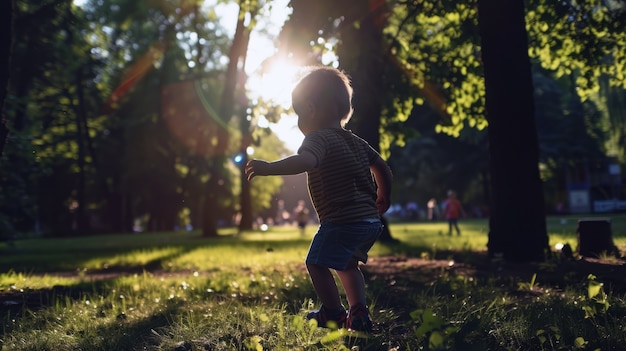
[{"x": 451, "y": 210}]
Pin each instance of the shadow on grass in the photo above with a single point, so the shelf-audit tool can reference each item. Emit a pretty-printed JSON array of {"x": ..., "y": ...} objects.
[
  {"x": 119, "y": 334},
  {"x": 418, "y": 264},
  {"x": 13, "y": 303}
]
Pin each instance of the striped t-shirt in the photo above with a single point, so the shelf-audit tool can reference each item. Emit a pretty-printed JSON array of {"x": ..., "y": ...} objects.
[{"x": 342, "y": 187}]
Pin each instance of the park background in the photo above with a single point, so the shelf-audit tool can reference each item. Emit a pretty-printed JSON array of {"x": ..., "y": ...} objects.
[
  {"x": 125, "y": 119},
  {"x": 137, "y": 115}
]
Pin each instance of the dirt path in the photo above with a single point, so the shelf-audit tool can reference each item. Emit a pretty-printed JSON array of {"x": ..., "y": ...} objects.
[{"x": 556, "y": 272}]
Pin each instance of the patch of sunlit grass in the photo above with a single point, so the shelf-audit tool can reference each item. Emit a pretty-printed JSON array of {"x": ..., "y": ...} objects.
[
  {"x": 245, "y": 255},
  {"x": 194, "y": 307},
  {"x": 256, "y": 328},
  {"x": 14, "y": 281},
  {"x": 137, "y": 258},
  {"x": 416, "y": 238},
  {"x": 562, "y": 229}
]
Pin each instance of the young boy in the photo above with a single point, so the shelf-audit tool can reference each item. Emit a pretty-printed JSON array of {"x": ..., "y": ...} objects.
[{"x": 347, "y": 199}]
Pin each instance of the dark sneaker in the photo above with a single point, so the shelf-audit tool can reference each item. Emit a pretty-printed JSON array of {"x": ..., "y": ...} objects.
[
  {"x": 328, "y": 318},
  {"x": 359, "y": 319}
]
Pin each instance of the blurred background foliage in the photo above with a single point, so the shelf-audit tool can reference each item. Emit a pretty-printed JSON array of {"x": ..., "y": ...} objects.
[{"x": 127, "y": 114}]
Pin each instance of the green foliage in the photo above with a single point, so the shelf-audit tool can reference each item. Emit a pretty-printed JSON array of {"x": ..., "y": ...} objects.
[
  {"x": 87, "y": 142},
  {"x": 584, "y": 32},
  {"x": 611, "y": 101},
  {"x": 442, "y": 61},
  {"x": 89, "y": 129},
  {"x": 46, "y": 101},
  {"x": 530, "y": 286},
  {"x": 596, "y": 304},
  {"x": 433, "y": 328},
  {"x": 17, "y": 200},
  {"x": 438, "y": 49}
]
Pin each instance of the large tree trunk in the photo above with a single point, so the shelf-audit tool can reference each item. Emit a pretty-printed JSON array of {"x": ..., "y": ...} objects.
[
  {"x": 6, "y": 44},
  {"x": 366, "y": 68},
  {"x": 367, "y": 79},
  {"x": 517, "y": 224},
  {"x": 245, "y": 200},
  {"x": 82, "y": 221}
]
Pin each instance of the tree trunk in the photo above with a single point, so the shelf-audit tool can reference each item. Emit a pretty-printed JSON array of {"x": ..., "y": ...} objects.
[
  {"x": 6, "y": 45},
  {"x": 233, "y": 80},
  {"x": 245, "y": 200},
  {"x": 209, "y": 207},
  {"x": 366, "y": 68},
  {"x": 517, "y": 224},
  {"x": 82, "y": 221}
]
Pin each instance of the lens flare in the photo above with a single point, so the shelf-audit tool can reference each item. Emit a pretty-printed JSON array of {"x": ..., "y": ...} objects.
[
  {"x": 191, "y": 118},
  {"x": 135, "y": 72}
]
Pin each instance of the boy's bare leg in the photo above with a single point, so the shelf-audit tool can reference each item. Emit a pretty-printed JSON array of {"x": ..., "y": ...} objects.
[
  {"x": 325, "y": 286},
  {"x": 353, "y": 283}
]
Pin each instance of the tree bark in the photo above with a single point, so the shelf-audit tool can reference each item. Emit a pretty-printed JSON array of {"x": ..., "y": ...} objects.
[
  {"x": 82, "y": 133},
  {"x": 366, "y": 68},
  {"x": 6, "y": 46},
  {"x": 233, "y": 80},
  {"x": 209, "y": 206},
  {"x": 517, "y": 224}
]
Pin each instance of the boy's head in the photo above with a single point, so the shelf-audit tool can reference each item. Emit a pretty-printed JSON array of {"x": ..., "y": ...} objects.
[{"x": 326, "y": 88}]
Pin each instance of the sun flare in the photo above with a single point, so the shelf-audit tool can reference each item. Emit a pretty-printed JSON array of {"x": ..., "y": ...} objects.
[{"x": 274, "y": 85}]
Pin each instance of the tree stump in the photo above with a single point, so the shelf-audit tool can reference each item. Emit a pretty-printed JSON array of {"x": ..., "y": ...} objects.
[{"x": 595, "y": 237}]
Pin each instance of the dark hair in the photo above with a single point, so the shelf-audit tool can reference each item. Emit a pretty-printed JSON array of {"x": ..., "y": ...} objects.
[{"x": 325, "y": 85}]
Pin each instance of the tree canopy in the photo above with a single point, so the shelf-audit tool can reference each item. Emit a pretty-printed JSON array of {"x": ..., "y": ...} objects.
[{"x": 127, "y": 113}]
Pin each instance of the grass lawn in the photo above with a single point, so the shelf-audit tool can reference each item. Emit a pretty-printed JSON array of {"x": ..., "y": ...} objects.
[{"x": 179, "y": 291}]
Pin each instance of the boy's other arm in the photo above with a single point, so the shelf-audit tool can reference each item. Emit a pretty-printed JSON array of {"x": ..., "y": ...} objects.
[
  {"x": 293, "y": 164},
  {"x": 383, "y": 176}
]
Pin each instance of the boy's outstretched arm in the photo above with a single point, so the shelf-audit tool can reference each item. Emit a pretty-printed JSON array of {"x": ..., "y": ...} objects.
[
  {"x": 293, "y": 164},
  {"x": 383, "y": 176}
]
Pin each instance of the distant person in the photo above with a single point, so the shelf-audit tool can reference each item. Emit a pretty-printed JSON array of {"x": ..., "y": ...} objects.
[
  {"x": 301, "y": 214},
  {"x": 347, "y": 199},
  {"x": 433, "y": 209},
  {"x": 452, "y": 209}
]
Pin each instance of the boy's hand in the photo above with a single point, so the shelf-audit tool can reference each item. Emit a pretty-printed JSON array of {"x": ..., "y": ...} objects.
[
  {"x": 256, "y": 168},
  {"x": 383, "y": 204}
]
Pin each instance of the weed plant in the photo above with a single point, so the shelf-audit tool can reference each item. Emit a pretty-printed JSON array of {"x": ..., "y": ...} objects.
[{"x": 179, "y": 291}]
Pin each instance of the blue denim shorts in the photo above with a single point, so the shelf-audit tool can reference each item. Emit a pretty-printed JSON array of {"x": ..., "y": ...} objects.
[{"x": 335, "y": 245}]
